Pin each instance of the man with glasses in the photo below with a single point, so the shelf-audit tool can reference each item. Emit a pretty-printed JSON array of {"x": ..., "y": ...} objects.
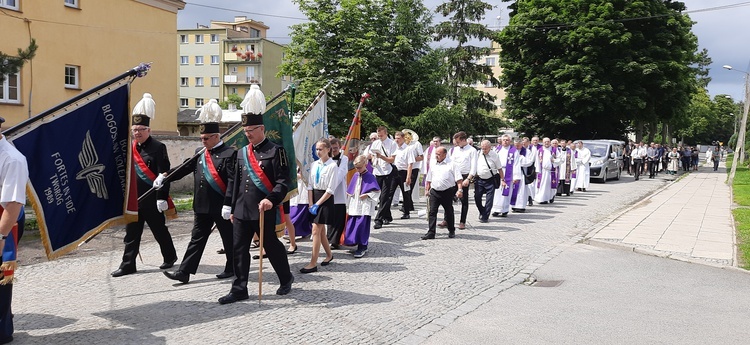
[
  {"x": 443, "y": 183},
  {"x": 150, "y": 159},
  {"x": 259, "y": 184},
  {"x": 211, "y": 172}
]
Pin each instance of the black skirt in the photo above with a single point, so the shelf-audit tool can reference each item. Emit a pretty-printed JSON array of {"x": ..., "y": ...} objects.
[{"x": 325, "y": 211}]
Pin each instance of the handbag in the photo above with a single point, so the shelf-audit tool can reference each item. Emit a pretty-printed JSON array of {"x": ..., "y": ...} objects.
[
  {"x": 530, "y": 175},
  {"x": 496, "y": 180}
]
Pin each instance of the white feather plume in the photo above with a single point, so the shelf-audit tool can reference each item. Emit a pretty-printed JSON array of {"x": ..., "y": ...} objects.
[
  {"x": 146, "y": 106},
  {"x": 254, "y": 102},
  {"x": 210, "y": 112}
]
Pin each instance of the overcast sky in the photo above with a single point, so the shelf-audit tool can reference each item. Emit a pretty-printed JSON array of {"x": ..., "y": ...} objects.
[{"x": 725, "y": 32}]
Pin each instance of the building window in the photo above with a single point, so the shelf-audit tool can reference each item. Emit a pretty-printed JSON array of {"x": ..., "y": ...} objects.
[
  {"x": 183, "y": 102},
  {"x": 184, "y": 60},
  {"x": 198, "y": 59},
  {"x": 198, "y": 102},
  {"x": 198, "y": 81},
  {"x": 71, "y": 3},
  {"x": 71, "y": 76},
  {"x": 214, "y": 81},
  {"x": 11, "y": 4},
  {"x": 198, "y": 38},
  {"x": 234, "y": 70},
  {"x": 10, "y": 89},
  {"x": 254, "y": 33},
  {"x": 214, "y": 59},
  {"x": 490, "y": 61},
  {"x": 183, "y": 39},
  {"x": 214, "y": 38},
  {"x": 250, "y": 48},
  {"x": 233, "y": 90},
  {"x": 183, "y": 81}
]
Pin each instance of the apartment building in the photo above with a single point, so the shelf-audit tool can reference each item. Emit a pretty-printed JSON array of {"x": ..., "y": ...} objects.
[
  {"x": 493, "y": 60},
  {"x": 82, "y": 44},
  {"x": 225, "y": 58}
]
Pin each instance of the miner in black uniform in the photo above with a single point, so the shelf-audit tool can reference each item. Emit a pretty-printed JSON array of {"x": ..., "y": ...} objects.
[
  {"x": 210, "y": 174},
  {"x": 149, "y": 159},
  {"x": 260, "y": 183}
]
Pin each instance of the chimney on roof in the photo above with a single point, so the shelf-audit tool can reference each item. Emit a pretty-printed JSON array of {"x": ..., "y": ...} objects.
[{"x": 239, "y": 18}]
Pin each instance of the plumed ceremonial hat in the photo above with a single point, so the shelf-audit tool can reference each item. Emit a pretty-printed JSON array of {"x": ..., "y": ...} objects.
[
  {"x": 209, "y": 128},
  {"x": 253, "y": 106},
  {"x": 210, "y": 112},
  {"x": 144, "y": 110}
]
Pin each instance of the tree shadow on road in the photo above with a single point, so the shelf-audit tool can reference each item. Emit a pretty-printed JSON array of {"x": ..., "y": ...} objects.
[{"x": 92, "y": 336}]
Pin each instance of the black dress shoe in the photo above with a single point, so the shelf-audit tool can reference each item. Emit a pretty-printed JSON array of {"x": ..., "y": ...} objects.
[
  {"x": 225, "y": 275},
  {"x": 168, "y": 264},
  {"x": 308, "y": 270},
  {"x": 326, "y": 263},
  {"x": 257, "y": 257},
  {"x": 231, "y": 298},
  {"x": 221, "y": 251},
  {"x": 428, "y": 236},
  {"x": 285, "y": 288},
  {"x": 496, "y": 214},
  {"x": 123, "y": 272},
  {"x": 405, "y": 216},
  {"x": 451, "y": 234},
  {"x": 504, "y": 214},
  {"x": 178, "y": 275},
  {"x": 484, "y": 220},
  {"x": 378, "y": 225},
  {"x": 386, "y": 221},
  {"x": 544, "y": 202}
]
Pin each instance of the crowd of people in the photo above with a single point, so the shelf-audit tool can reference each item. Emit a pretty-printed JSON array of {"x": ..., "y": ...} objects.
[{"x": 640, "y": 158}]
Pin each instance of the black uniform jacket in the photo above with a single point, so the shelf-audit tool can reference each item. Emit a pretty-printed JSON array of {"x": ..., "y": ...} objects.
[
  {"x": 154, "y": 154},
  {"x": 205, "y": 198},
  {"x": 241, "y": 190}
]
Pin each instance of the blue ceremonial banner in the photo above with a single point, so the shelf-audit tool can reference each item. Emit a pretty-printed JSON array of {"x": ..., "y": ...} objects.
[{"x": 79, "y": 168}]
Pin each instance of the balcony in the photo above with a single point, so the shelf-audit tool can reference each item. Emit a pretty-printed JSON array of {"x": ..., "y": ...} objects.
[
  {"x": 234, "y": 58},
  {"x": 234, "y": 79}
]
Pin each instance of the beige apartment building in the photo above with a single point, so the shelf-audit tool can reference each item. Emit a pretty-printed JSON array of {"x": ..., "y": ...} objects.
[
  {"x": 493, "y": 60},
  {"x": 226, "y": 58},
  {"x": 84, "y": 43}
]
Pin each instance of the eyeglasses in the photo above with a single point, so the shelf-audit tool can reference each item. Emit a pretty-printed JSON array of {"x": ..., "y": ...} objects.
[
  {"x": 252, "y": 129},
  {"x": 136, "y": 130},
  {"x": 208, "y": 137}
]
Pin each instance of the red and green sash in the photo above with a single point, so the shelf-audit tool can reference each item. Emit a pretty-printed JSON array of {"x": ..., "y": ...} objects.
[
  {"x": 259, "y": 178},
  {"x": 212, "y": 175},
  {"x": 146, "y": 175}
]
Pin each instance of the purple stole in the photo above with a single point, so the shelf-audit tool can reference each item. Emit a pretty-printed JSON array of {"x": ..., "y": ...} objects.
[
  {"x": 553, "y": 171},
  {"x": 567, "y": 166},
  {"x": 509, "y": 169},
  {"x": 517, "y": 184},
  {"x": 369, "y": 183}
]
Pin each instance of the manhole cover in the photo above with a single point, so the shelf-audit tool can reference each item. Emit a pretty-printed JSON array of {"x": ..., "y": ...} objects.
[{"x": 547, "y": 283}]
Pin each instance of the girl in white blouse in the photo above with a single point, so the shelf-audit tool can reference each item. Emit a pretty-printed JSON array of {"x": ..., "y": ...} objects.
[{"x": 321, "y": 186}]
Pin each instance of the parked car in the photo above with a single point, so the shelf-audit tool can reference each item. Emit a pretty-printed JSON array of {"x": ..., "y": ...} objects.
[{"x": 606, "y": 159}]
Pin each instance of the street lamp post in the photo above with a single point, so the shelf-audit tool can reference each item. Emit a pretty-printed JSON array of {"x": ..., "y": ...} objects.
[{"x": 739, "y": 150}]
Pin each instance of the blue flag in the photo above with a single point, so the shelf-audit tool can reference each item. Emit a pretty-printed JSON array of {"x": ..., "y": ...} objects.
[{"x": 79, "y": 169}]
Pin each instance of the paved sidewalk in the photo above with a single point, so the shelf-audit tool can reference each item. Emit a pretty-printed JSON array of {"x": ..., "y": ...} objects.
[{"x": 689, "y": 219}]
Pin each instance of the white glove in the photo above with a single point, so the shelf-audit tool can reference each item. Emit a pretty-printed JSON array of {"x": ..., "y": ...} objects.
[
  {"x": 158, "y": 182},
  {"x": 226, "y": 211},
  {"x": 161, "y": 205}
]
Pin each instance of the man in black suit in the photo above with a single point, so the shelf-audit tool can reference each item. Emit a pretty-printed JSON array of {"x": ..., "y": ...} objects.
[
  {"x": 210, "y": 174},
  {"x": 149, "y": 159},
  {"x": 259, "y": 184}
]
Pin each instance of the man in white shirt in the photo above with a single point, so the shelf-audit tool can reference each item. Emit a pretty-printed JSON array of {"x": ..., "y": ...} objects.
[
  {"x": 14, "y": 174},
  {"x": 429, "y": 155},
  {"x": 382, "y": 155},
  {"x": 639, "y": 156},
  {"x": 404, "y": 163},
  {"x": 583, "y": 173},
  {"x": 487, "y": 165},
  {"x": 442, "y": 184},
  {"x": 463, "y": 156}
]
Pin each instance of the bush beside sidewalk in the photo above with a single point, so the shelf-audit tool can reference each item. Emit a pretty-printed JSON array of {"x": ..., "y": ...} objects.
[{"x": 741, "y": 213}]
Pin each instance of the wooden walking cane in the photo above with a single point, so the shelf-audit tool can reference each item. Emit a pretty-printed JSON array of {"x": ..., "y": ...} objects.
[{"x": 260, "y": 265}]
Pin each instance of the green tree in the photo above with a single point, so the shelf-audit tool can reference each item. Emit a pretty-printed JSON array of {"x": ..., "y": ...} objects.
[
  {"x": 363, "y": 46},
  {"x": 588, "y": 68},
  {"x": 12, "y": 64},
  {"x": 231, "y": 99},
  {"x": 462, "y": 70}
]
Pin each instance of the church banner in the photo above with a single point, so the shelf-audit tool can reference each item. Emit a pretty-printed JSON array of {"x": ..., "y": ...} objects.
[{"x": 79, "y": 168}]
